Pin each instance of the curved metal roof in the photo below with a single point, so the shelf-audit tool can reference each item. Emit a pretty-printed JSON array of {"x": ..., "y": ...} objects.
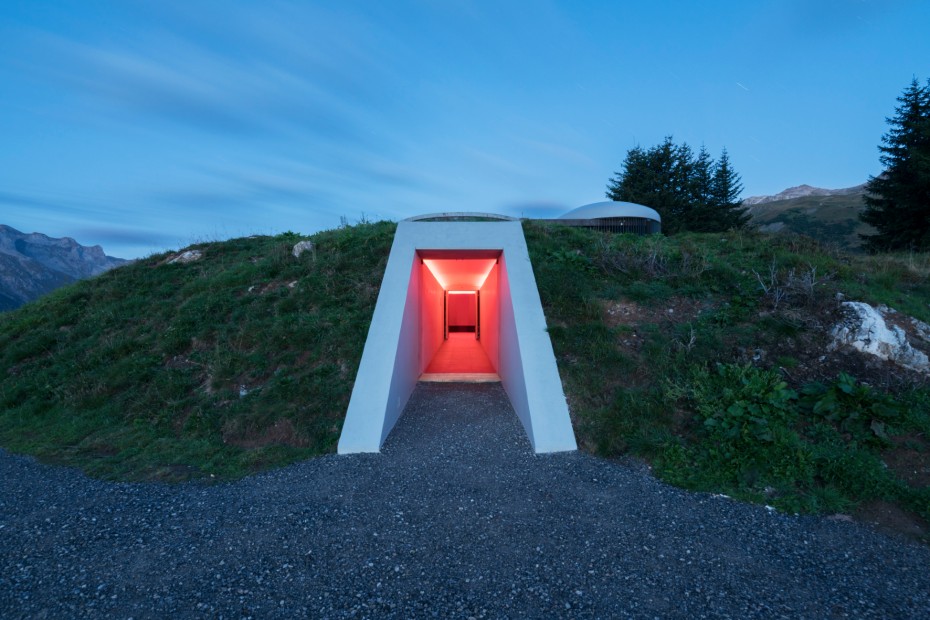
[
  {"x": 460, "y": 214},
  {"x": 599, "y": 210}
]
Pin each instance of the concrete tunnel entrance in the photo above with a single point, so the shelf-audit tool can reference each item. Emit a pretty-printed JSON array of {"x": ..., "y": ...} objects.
[{"x": 458, "y": 302}]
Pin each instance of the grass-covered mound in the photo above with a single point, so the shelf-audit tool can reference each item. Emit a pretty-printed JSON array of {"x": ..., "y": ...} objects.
[
  {"x": 241, "y": 360},
  {"x": 706, "y": 355}
]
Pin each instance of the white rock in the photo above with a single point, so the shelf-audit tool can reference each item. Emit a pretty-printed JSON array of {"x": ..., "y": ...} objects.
[
  {"x": 303, "y": 246},
  {"x": 923, "y": 330},
  {"x": 864, "y": 328},
  {"x": 187, "y": 256}
]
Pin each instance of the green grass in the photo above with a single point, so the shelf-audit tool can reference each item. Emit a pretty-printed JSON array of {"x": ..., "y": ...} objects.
[
  {"x": 693, "y": 394},
  {"x": 669, "y": 350},
  {"x": 241, "y": 361}
]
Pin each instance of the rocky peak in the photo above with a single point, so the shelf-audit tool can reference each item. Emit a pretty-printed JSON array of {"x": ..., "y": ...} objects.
[
  {"x": 33, "y": 264},
  {"x": 802, "y": 191}
]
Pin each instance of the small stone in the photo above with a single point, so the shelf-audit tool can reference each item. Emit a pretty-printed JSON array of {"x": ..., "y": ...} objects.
[
  {"x": 187, "y": 256},
  {"x": 304, "y": 246}
]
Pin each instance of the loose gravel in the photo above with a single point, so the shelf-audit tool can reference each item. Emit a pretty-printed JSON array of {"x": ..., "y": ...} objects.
[{"x": 456, "y": 518}]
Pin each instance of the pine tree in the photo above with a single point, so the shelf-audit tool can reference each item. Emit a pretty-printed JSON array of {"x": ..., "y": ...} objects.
[
  {"x": 701, "y": 190},
  {"x": 898, "y": 200},
  {"x": 690, "y": 193},
  {"x": 631, "y": 184},
  {"x": 726, "y": 210},
  {"x": 657, "y": 178}
]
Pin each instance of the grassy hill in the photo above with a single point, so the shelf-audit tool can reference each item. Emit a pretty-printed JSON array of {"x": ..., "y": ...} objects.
[
  {"x": 829, "y": 219},
  {"x": 240, "y": 361},
  {"x": 669, "y": 350}
]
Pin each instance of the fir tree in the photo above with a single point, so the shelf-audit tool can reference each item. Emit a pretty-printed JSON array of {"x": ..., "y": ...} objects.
[
  {"x": 898, "y": 200},
  {"x": 726, "y": 210},
  {"x": 702, "y": 191},
  {"x": 690, "y": 193},
  {"x": 657, "y": 178}
]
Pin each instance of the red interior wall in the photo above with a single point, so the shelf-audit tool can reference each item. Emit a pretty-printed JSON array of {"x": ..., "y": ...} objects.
[
  {"x": 462, "y": 310},
  {"x": 490, "y": 317},
  {"x": 431, "y": 326},
  {"x": 459, "y": 273}
]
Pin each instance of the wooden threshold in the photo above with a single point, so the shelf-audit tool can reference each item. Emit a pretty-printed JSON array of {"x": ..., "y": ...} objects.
[{"x": 460, "y": 377}]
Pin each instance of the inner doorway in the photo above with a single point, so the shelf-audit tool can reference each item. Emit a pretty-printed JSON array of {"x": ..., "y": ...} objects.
[{"x": 462, "y": 312}]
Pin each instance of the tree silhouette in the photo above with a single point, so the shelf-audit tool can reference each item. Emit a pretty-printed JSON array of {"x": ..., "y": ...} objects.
[{"x": 898, "y": 200}]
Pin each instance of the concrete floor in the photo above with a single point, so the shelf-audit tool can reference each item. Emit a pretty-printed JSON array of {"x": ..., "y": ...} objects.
[{"x": 461, "y": 353}]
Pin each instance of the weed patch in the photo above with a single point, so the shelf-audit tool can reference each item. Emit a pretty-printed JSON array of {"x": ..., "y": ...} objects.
[{"x": 723, "y": 380}]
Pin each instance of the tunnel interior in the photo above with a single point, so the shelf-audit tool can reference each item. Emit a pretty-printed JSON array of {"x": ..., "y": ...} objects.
[{"x": 459, "y": 311}]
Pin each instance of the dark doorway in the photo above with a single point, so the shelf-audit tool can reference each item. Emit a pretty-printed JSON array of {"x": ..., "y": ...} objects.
[{"x": 462, "y": 312}]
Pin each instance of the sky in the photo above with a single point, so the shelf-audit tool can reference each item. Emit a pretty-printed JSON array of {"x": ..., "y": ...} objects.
[{"x": 147, "y": 126}]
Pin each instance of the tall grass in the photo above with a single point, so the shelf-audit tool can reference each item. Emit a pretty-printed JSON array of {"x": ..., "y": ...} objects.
[{"x": 240, "y": 361}]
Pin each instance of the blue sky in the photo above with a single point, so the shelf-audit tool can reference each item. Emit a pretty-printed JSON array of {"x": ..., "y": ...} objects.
[{"x": 143, "y": 126}]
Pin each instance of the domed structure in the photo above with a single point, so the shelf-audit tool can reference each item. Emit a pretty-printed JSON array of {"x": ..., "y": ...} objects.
[{"x": 615, "y": 216}]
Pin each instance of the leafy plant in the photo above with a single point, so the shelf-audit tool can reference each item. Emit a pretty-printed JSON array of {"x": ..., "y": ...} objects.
[
  {"x": 854, "y": 407},
  {"x": 744, "y": 403}
]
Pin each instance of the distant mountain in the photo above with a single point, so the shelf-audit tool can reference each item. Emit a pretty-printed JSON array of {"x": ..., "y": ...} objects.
[
  {"x": 34, "y": 264},
  {"x": 828, "y": 215},
  {"x": 804, "y": 191}
]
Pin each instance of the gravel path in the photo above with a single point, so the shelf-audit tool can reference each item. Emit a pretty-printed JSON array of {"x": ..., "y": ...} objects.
[{"x": 455, "y": 518}]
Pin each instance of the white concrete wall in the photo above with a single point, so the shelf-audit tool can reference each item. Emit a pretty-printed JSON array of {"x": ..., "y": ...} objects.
[
  {"x": 406, "y": 369},
  {"x": 386, "y": 377},
  {"x": 391, "y": 361},
  {"x": 431, "y": 324},
  {"x": 490, "y": 317},
  {"x": 511, "y": 362},
  {"x": 528, "y": 368}
]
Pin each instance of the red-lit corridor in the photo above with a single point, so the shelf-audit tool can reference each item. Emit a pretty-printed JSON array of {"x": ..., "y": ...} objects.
[
  {"x": 461, "y": 353},
  {"x": 459, "y": 315}
]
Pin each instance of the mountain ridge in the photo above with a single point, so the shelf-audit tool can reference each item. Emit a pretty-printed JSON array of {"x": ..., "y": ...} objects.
[
  {"x": 33, "y": 264},
  {"x": 803, "y": 191},
  {"x": 828, "y": 215}
]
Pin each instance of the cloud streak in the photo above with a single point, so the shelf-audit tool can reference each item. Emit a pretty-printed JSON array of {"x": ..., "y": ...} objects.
[{"x": 284, "y": 85}]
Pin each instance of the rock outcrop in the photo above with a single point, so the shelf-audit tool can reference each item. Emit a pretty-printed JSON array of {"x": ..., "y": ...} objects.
[
  {"x": 878, "y": 331},
  {"x": 34, "y": 264},
  {"x": 187, "y": 256},
  {"x": 304, "y": 246}
]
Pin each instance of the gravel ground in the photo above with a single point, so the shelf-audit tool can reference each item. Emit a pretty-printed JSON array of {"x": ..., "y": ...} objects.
[{"x": 456, "y": 518}]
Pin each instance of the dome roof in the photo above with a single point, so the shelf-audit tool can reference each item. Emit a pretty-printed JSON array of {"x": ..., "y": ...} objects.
[{"x": 601, "y": 210}]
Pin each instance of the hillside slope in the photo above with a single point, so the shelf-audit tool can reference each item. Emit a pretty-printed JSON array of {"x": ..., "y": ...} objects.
[
  {"x": 241, "y": 360},
  {"x": 670, "y": 349},
  {"x": 34, "y": 264},
  {"x": 829, "y": 218}
]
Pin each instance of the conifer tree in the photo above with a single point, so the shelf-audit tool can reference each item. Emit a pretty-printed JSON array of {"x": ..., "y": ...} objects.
[
  {"x": 690, "y": 193},
  {"x": 726, "y": 210},
  {"x": 657, "y": 178},
  {"x": 898, "y": 200},
  {"x": 702, "y": 192}
]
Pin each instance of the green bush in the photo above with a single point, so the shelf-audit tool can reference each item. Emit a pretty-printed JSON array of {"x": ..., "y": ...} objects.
[
  {"x": 854, "y": 407},
  {"x": 743, "y": 404}
]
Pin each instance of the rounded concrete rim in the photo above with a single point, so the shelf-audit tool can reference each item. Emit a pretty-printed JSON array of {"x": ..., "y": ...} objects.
[
  {"x": 602, "y": 210},
  {"x": 431, "y": 216}
]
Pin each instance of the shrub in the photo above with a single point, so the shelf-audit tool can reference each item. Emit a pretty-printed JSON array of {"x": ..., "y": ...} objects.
[{"x": 853, "y": 407}]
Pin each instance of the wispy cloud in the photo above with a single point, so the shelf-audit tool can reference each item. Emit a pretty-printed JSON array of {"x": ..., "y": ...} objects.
[
  {"x": 325, "y": 86},
  {"x": 110, "y": 237}
]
